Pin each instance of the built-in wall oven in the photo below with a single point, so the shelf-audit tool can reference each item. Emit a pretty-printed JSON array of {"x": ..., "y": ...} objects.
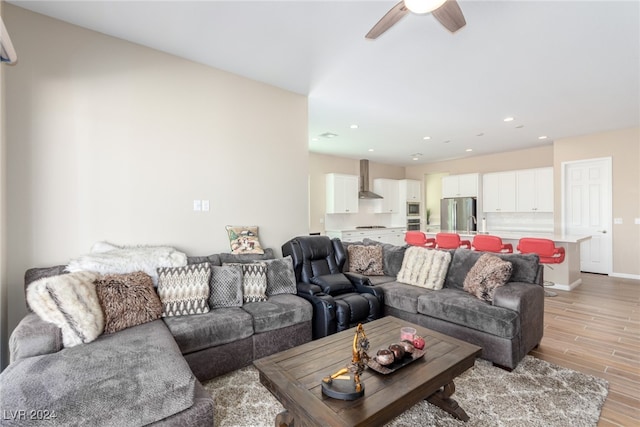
[
  {"x": 413, "y": 224},
  {"x": 413, "y": 209}
]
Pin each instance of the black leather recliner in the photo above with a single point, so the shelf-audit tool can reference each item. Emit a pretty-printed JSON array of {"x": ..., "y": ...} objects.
[{"x": 340, "y": 300}]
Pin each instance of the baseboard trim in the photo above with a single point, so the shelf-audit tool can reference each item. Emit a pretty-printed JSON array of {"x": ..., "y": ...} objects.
[
  {"x": 625, "y": 276},
  {"x": 562, "y": 287}
]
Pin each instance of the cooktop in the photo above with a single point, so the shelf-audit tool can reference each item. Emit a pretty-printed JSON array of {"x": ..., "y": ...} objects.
[{"x": 370, "y": 226}]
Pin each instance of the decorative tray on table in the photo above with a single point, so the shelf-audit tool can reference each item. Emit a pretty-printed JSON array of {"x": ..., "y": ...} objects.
[{"x": 388, "y": 369}]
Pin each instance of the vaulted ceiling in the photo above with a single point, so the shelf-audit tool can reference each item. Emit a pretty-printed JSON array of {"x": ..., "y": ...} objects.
[{"x": 558, "y": 68}]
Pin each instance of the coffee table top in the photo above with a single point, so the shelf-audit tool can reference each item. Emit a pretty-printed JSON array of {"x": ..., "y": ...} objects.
[{"x": 294, "y": 376}]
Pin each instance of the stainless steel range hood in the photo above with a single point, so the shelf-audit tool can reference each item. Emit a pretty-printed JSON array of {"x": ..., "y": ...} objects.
[{"x": 364, "y": 192}]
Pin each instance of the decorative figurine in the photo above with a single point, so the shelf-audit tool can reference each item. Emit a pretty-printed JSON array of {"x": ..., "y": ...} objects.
[{"x": 349, "y": 387}]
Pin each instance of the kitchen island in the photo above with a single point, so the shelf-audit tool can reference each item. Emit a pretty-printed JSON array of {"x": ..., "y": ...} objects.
[{"x": 566, "y": 275}]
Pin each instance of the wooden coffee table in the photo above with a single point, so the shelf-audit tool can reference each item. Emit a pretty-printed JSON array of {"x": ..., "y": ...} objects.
[{"x": 294, "y": 377}]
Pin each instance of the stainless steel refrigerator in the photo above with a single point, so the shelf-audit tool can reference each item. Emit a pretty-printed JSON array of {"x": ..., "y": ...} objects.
[{"x": 458, "y": 214}]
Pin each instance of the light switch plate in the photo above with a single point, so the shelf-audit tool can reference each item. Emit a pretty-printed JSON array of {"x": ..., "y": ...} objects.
[
  {"x": 197, "y": 205},
  {"x": 637, "y": 221},
  {"x": 617, "y": 221},
  {"x": 205, "y": 206}
]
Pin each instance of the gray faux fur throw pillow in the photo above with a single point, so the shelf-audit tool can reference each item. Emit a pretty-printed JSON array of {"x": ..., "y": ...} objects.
[
  {"x": 70, "y": 302},
  {"x": 127, "y": 300},
  {"x": 488, "y": 273}
]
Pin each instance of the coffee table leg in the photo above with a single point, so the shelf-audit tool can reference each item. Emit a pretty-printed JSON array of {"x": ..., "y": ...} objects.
[
  {"x": 284, "y": 419},
  {"x": 442, "y": 399}
]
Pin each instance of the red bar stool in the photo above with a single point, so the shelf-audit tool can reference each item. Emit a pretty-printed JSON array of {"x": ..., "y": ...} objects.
[
  {"x": 418, "y": 238},
  {"x": 488, "y": 243},
  {"x": 451, "y": 241},
  {"x": 548, "y": 252}
]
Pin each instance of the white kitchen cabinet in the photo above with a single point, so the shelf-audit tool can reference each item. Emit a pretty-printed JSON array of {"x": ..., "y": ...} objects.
[
  {"x": 534, "y": 189},
  {"x": 499, "y": 192},
  {"x": 341, "y": 193},
  {"x": 389, "y": 189},
  {"x": 465, "y": 185},
  {"x": 410, "y": 190}
]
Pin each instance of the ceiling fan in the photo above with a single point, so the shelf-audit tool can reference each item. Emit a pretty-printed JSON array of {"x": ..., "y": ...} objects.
[{"x": 447, "y": 12}]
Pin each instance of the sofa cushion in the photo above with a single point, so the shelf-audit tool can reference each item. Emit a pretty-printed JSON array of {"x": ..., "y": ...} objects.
[
  {"x": 131, "y": 378},
  {"x": 184, "y": 290},
  {"x": 34, "y": 337},
  {"x": 365, "y": 260},
  {"x": 279, "y": 311},
  {"x": 392, "y": 256},
  {"x": 225, "y": 286},
  {"x": 70, "y": 302},
  {"x": 461, "y": 308},
  {"x": 127, "y": 300},
  {"x": 402, "y": 296},
  {"x": 487, "y": 274},
  {"x": 218, "y": 326},
  {"x": 524, "y": 267},
  {"x": 424, "y": 267},
  {"x": 213, "y": 260},
  {"x": 246, "y": 258},
  {"x": 281, "y": 279}
]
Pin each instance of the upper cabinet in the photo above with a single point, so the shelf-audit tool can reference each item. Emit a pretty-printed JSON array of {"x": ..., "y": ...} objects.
[
  {"x": 411, "y": 190},
  {"x": 342, "y": 193},
  {"x": 389, "y": 189},
  {"x": 499, "y": 192},
  {"x": 465, "y": 185},
  {"x": 534, "y": 190}
]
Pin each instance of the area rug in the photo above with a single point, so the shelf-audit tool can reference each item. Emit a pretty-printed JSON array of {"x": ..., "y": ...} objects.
[{"x": 536, "y": 393}]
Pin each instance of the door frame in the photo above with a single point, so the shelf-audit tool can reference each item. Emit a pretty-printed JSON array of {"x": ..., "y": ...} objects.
[{"x": 609, "y": 199}]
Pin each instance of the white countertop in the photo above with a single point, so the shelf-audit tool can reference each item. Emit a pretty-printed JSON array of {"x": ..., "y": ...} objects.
[
  {"x": 517, "y": 235},
  {"x": 348, "y": 230}
]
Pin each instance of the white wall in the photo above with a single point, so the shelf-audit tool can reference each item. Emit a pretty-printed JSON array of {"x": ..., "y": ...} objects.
[{"x": 108, "y": 140}]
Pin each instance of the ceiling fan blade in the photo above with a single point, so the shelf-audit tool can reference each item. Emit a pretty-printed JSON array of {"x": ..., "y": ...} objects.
[
  {"x": 394, "y": 15},
  {"x": 450, "y": 15}
]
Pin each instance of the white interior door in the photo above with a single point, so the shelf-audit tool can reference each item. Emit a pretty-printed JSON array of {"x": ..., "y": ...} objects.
[{"x": 587, "y": 211}]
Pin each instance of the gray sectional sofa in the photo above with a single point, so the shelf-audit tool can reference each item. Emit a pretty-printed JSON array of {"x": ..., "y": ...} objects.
[
  {"x": 506, "y": 329},
  {"x": 147, "y": 374}
]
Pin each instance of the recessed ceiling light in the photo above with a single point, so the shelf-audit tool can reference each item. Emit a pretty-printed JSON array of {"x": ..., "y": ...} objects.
[
  {"x": 543, "y": 137},
  {"x": 414, "y": 158},
  {"x": 314, "y": 139},
  {"x": 426, "y": 138},
  {"x": 328, "y": 135},
  {"x": 468, "y": 150},
  {"x": 519, "y": 126},
  {"x": 370, "y": 149},
  {"x": 447, "y": 141},
  {"x": 480, "y": 134},
  {"x": 508, "y": 119},
  {"x": 354, "y": 126}
]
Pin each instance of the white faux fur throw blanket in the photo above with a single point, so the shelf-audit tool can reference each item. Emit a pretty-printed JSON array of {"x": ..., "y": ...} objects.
[
  {"x": 424, "y": 267},
  {"x": 106, "y": 258},
  {"x": 69, "y": 301}
]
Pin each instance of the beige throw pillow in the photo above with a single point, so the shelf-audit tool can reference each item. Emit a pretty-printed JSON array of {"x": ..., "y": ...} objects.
[{"x": 424, "y": 267}]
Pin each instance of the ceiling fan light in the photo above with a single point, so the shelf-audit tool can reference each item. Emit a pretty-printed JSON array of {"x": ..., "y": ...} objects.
[{"x": 423, "y": 6}]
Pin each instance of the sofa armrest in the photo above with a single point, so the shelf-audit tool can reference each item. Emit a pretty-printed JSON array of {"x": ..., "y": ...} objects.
[
  {"x": 527, "y": 299},
  {"x": 517, "y": 296},
  {"x": 34, "y": 337},
  {"x": 308, "y": 289},
  {"x": 358, "y": 279}
]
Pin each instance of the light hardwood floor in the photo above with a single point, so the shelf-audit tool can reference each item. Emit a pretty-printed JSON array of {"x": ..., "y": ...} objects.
[{"x": 595, "y": 329}]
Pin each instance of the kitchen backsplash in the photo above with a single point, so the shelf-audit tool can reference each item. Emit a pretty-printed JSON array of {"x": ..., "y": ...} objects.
[
  {"x": 540, "y": 222},
  {"x": 365, "y": 216}
]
